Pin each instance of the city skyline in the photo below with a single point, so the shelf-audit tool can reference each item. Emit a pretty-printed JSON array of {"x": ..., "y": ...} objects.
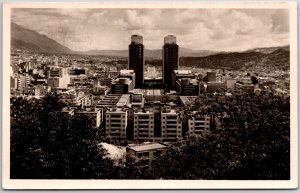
[{"x": 199, "y": 29}]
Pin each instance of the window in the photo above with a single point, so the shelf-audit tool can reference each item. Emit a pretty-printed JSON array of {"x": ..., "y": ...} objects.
[{"x": 144, "y": 154}]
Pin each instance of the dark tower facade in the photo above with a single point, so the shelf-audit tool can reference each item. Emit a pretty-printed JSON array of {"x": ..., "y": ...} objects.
[
  {"x": 136, "y": 59},
  {"x": 170, "y": 59}
]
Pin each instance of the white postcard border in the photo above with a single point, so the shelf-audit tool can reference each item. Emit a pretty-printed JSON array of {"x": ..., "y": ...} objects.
[{"x": 7, "y": 183}]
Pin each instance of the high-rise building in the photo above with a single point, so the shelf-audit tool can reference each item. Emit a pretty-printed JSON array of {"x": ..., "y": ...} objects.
[
  {"x": 136, "y": 59},
  {"x": 170, "y": 59}
]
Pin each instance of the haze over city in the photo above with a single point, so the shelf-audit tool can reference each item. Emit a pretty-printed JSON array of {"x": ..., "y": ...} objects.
[{"x": 199, "y": 29}]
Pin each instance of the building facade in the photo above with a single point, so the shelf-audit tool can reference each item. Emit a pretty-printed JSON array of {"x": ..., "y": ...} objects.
[
  {"x": 143, "y": 126},
  {"x": 171, "y": 126},
  {"x": 136, "y": 59},
  {"x": 144, "y": 154},
  {"x": 116, "y": 123},
  {"x": 197, "y": 124},
  {"x": 170, "y": 53}
]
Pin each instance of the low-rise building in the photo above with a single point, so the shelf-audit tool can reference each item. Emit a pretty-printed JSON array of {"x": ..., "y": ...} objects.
[
  {"x": 241, "y": 87},
  {"x": 128, "y": 74},
  {"x": 41, "y": 90},
  {"x": 100, "y": 90},
  {"x": 144, "y": 154},
  {"x": 187, "y": 86},
  {"x": 181, "y": 74},
  {"x": 121, "y": 86},
  {"x": 67, "y": 98},
  {"x": 215, "y": 86}
]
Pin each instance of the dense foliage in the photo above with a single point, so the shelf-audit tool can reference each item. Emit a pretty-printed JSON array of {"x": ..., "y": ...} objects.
[
  {"x": 254, "y": 143},
  {"x": 48, "y": 144}
]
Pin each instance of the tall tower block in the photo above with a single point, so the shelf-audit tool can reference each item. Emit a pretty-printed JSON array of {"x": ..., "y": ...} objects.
[
  {"x": 136, "y": 59},
  {"x": 170, "y": 59}
]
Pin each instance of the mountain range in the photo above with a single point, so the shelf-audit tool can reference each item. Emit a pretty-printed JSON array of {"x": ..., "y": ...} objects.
[
  {"x": 22, "y": 38},
  {"x": 26, "y": 39}
]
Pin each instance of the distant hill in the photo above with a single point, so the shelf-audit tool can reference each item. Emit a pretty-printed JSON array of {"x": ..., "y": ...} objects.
[
  {"x": 26, "y": 39},
  {"x": 154, "y": 54},
  {"x": 22, "y": 38},
  {"x": 270, "y": 49},
  {"x": 275, "y": 57}
]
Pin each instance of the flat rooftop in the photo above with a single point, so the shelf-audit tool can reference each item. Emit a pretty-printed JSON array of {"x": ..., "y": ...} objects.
[
  {"x": 126, "y": 72},
  {"x": 123, "y": 100},
  {"x": 146, "y": 147},
  {"x": 183, "y": 72},
  {"x": 186, "y": 99}
]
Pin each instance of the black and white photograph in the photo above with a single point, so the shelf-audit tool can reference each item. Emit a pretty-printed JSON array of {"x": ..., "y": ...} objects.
[{"x": 150, "y": 96}]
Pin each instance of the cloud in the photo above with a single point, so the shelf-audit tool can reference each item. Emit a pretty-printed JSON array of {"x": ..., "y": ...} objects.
[
  {"x": 134, "y": 21},
  {"x": 280, "y": 22},
  {"x": 213, "y": 29}
]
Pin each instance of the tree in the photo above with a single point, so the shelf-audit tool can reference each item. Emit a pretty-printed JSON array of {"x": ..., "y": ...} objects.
[
  {"x": 48, "y": 144},
  {"x": 254, "y": 144}
]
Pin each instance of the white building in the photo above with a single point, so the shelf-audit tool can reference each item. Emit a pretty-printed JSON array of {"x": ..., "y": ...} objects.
[
  {"x": 58, "y": 78},
  {"x": 116, "y": 123},
  {"x": 198, "y": 123},
  {"x": 171, "y": 125},
  {"x": 23, "y": 81},
  {"x": 144, "y": 154},
  {"x": 143, "y": 125}
]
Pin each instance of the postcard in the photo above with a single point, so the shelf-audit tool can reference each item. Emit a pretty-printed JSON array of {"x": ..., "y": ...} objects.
[{"x": 160, "y": 95}]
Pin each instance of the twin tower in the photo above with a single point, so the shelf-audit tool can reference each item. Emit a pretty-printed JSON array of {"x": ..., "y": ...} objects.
[{"x": 170, "y": 57}]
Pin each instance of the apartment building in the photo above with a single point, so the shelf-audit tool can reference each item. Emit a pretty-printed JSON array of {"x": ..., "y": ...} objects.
[
  {"x": 198, "y": 123},
  {"x": 143, "y": 125},
  {"x": 171, "y": 125},
  {"x": 116, "y": 123}
]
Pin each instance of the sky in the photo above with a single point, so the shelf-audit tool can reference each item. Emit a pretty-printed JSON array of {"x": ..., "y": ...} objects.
[{"x": 199, "y": 29}]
